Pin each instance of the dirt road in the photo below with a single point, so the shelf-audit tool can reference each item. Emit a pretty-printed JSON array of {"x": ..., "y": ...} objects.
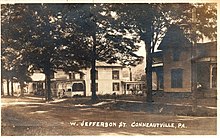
[{"x": 32, "y": 116}]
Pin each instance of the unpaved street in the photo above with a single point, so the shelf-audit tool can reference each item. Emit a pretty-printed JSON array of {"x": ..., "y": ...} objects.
[{"x": 32, "y": 116}]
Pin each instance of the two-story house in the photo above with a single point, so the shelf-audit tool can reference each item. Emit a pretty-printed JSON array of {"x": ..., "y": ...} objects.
[
  {"x": 176, "y": 67},
  {"x": 108, "y": 80}
]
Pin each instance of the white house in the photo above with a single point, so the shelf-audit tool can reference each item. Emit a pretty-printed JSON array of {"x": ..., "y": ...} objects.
[{"x": 108, "y": 80}]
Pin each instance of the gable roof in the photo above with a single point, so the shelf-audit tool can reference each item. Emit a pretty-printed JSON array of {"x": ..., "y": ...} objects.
[{"x": 174, "y": 37}]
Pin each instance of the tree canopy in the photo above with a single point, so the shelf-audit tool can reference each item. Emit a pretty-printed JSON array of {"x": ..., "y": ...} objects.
[
  {"x": 66, "y": 36},
  {"x": 47, "y": 37}
]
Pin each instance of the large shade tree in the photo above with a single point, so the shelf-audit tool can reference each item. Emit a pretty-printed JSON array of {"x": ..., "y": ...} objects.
[
  {"x": 106, "y": 39},
  {"x": 13, "y": 62},
  {"x": 148, "y": 22},
  {"x": 38, "y": 33}
]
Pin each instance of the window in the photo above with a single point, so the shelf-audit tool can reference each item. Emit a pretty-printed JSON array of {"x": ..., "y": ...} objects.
[
  {"x": 115, "y": 74},
  {"x": 176, "y": 78},
  {"x": 74, "y": 76},
  {"x": 130, "y": 86},
  {"x": 176, "y": 54},
  {"x": 138, "y": 87},
  {"x": 115, "y": 86},
  {"x": 77, "y": 87},
  {"x": 96, "y": 87},
  {"x": 96, "y": 74},
  {"x": 70, "y": 75}
]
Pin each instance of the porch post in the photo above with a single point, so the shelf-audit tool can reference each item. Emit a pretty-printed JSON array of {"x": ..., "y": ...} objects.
[
  {"x": 125, "y": 87},
  {"x": 210, "y": 76},
  {"x": 158, "y": 83}
]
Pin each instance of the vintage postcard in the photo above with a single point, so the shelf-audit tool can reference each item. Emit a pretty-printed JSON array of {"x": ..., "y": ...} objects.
[{"x": 109, "y": 68}]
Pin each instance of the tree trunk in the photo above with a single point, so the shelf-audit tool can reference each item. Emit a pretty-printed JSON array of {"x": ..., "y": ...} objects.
[
  {"x": 148, "y": 71},
  {"x": 93, "y": 71},
  {"x": 149, "y": 78},
  {"x": 12, "y": 88},
  {"x": 22, "y": 88},
  {"x": 48, "y": 83},
  {"x": 148, "y": 42},
  {"x": 93, "y": 81},
  {"x": 130, "y": 74},
  {"x": 48, "y": 88},
  {"x": 2, "y": 87},
  {"x": 23, "y": 72},
  {"x": 8, "y": 93},
  {"x": 45, "y": 91},
  {"x": 193, "y": 63}
]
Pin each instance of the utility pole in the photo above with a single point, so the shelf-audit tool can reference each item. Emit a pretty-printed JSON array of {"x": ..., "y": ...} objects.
[{"x": 193, "y": 62}]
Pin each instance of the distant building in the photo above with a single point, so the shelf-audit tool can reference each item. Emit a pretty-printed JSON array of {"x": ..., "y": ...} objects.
[
  {"x": 37, "y": 85},
  {"x": 133, "y": 87},
  {"x": 108, "y": 80},
  {"x": 173, "y": 66}
]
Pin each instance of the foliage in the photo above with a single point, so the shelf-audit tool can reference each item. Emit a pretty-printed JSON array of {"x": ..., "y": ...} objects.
[
  {"x": 65, "y": 36},
  {"x": 47, "y": 37},
  {"x": 206, "y": 19},
  {"x": 151, "y": 21}
]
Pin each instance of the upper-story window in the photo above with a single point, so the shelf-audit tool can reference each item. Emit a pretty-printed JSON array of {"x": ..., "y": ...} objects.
[
  {"x": 115, "y": 74},
  {"x": 176, "y": 55},
  {"x": 70, "y": 75}
]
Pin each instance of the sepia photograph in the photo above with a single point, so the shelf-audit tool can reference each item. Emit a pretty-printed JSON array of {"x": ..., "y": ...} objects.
[{"x": 109, "y": 69}]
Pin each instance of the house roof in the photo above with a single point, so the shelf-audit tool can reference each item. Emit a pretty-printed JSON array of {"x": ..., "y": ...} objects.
[
  {"x": 103, "y": 64},
  {"x": 174, "y": 37},
  {"x": 208, "y": 49}
]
